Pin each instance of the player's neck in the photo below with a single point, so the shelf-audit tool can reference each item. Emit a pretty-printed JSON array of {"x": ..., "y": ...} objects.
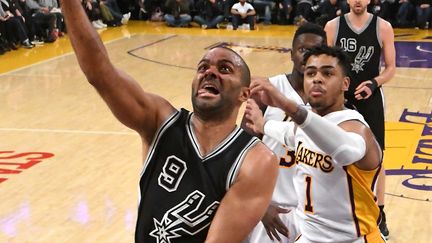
[
  {"x": 296, "y": 81},
  {"x": 210, "y": 133},
  {"x": 358, "y": 20},
  {"x": 322, "y": 111}
]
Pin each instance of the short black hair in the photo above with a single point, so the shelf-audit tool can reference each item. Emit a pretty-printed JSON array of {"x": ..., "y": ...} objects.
[
  {"x": 246, "y": 74},
  {"x": 310, "y": 28},
  {"x": 341, "y": 55}
]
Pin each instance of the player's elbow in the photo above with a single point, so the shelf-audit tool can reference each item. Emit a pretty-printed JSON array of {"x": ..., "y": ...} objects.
[
  {"x": 98, "y": 75},
  {"x": 350, "y": 153}
]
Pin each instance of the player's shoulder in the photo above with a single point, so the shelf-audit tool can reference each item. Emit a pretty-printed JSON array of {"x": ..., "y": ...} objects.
[
  {"x": 262, "y": 155},
  {"x": 384, "y": 24},
  {"x": 385, "y": 30},
  {"x": 332, "y": 23}
]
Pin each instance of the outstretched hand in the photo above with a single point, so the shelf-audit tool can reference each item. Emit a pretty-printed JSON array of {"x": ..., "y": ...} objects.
[
  {"x": 254, "y": 117},
  {"x": 273, "y": 224},
  {"x": 267, "y": 93}
]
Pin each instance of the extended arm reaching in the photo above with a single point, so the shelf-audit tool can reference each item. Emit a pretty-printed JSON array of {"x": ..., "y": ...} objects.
[
  {"x": 137, "y": 109},
  {"x": 346, "y": 147}
]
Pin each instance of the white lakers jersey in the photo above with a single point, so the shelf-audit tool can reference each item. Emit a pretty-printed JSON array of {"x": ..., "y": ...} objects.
[
  {"x": 283, "y": 193},
  {"x": 335, "y": 203}
]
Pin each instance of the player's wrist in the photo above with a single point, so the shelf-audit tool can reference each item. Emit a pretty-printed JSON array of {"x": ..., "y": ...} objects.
[{"x": 373, "y": 85}]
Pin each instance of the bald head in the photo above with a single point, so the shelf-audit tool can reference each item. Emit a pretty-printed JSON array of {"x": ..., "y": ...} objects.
[{"x": 239, "y": 62}]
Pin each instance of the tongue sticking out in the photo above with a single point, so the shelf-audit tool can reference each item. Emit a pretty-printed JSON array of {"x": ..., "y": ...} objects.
[{"x": 208, "y": 90}]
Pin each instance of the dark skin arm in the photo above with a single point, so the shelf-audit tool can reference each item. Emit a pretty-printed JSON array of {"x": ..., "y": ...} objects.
[
  {"x": 261, "y": 106},
  {"x": 135, "y": 108},
  {"x": 247, "y": 200}
]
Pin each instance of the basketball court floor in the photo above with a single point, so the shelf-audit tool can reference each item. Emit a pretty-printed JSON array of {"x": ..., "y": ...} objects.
[{"x": 69, "y": 170}]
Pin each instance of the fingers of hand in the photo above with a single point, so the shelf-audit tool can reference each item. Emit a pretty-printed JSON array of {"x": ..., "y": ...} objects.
[
  {"x": 269, "y": 233},
  {"x": 362, "y": 93},
  {"x": 281, "y": 228},
  {"x": 272, "y": 233},
  {"x": 363, "y": 84}
]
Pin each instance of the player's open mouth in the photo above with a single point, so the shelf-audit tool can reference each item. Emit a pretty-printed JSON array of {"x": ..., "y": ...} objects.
[{"x": 208, "y": 89}]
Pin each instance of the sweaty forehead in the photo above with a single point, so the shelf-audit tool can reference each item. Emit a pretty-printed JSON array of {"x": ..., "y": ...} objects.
[{"x": 219, "y": 54}]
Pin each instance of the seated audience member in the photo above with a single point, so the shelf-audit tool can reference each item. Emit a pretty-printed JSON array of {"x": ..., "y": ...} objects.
[
  {"x": 264, "y": 9},
  {"x": 405, "y": 13},
  {"x": 243, "y": 13},
  {"x": 304, "y": 12},
  {"x": 423, "y": 13},
  {"x": 282, "y": 11},
  {"x": 210, "y": 13},
  {"x": 13, "y": 27},
  {"x": 327, "y": 10},
  {"x": 45, "y": 21},
  {"x": 26, "y": 12},
  {"x": 115, "y": 11},
  {"x": 93, "y": 12},
  {"x": 177, "y": 13}
]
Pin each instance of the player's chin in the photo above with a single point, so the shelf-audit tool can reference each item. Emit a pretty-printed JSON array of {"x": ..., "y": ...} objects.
[
  {"x": 206, "y": 102},
  {"x": 315, "y": 103}
]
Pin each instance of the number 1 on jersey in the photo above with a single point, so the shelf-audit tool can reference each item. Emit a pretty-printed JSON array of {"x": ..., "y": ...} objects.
[{"x": 308, "y": 205}]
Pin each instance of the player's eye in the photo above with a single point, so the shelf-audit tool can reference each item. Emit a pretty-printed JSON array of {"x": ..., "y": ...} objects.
[
  {"x": 202, "y": 67},
  {"x": 225, "y": 69},
  {"x": 310, "y": 73}
]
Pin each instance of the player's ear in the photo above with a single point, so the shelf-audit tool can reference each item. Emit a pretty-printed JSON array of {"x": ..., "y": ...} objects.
[
  {"x": 244, "y": 94},
  {"x": 345, "y": 83}
]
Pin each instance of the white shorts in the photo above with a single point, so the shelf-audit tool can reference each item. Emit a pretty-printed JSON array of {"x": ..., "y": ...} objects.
[{"x": 259, "y": 234}]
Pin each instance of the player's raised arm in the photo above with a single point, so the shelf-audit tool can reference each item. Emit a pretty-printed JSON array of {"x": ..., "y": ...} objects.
[{"x": 133, "y": 106}]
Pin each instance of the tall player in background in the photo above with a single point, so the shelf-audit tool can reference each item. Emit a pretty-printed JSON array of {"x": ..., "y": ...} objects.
[
  {"x": 196, "y": 181},
  {"x": 278, "y": 223},
  {"x": 337, "y": 156},
  {"x": 366, "y": 37}
]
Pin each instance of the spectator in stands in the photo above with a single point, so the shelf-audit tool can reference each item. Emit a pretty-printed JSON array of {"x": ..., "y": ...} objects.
[
  {"x": 227, "y": 5},
  {"x": 210, "y": 13},
  {"x": 423, "y": 13},
  {"x": 405, "y": 13},
  {"x": 327, "y": 10},
  {"x": 115, "y": 11},
  {"x": 283, "y": 11},
  {"x": 94, "y": 13},
  {"x": 177, "y": 13},
  {"x": 13, "y": 27},
  {"x": 45, "y": 22},
  {"x": 304, "y": 11},
  {"x": 243, "y": 13},
  {"x": 53, "y": 8},
  {"x": 27, "y": 15},
  {"x": 388, "y": 10},
  {"x": 264, "y": 9}
]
